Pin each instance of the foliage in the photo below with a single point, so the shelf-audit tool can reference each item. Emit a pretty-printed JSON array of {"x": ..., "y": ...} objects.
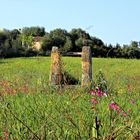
[
  {"x": 27, "y": 41},
  {"x": 67, "y": 46},
  {"x": 71, "y": 41},
  {"x": 33, "y": 31}
]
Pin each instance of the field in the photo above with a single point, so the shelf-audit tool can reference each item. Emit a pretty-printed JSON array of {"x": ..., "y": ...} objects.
[{"x": 31, "y": 109}]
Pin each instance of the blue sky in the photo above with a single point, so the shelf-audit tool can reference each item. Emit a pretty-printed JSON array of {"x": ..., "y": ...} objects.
[{"x": 114, "y": 21}]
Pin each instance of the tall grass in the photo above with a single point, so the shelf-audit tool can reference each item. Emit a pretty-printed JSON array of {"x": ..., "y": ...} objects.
[{"x": 30, "y": 109}]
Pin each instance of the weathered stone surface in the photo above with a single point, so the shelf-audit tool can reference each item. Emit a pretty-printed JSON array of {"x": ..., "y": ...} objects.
[
  {"x": 86, "y": 66},
  {"x": 56, "y": 67}
]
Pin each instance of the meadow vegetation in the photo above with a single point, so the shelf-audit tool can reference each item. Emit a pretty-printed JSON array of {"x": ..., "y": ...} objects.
[{"x": 31, "y": 109}]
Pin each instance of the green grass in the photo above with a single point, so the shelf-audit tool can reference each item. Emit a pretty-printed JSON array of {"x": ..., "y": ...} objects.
[
  {"x": 117, "y": 71},
  {"x": 30, "y": 109}
]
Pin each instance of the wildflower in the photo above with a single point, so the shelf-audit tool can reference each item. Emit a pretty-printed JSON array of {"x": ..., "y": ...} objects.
[
  {"x": 92, "y": 92},
  {"x": 94, "y": 101},
  {"x": 113, "y": 106},
  {"x": 119, "y": 111},
  {"x": 125, "y": 114},
  {"x": 105, "y": 94},
  {"x": 99, "y": 94},
  {"x": 132, "y": 101},
  {"x": 14, "y": 91},
  {"x": 129, "y": 110},
  {"x": 9, "y": 90},
  {"x": 6, "y": 135}
]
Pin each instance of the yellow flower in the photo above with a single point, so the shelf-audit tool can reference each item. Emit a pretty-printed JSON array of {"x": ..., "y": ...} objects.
[
  {"x": 14, "y": 91},
  {"x": 92, "y": 108}
]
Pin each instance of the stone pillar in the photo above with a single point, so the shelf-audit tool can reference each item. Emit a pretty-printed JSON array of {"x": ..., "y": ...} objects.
[
  {"x": 56, "y": 67},
  {"x": 86, "y": 66}
]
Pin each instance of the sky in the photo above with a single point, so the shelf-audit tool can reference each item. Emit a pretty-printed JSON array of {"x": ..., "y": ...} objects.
[{"x": 113, "y": 21}]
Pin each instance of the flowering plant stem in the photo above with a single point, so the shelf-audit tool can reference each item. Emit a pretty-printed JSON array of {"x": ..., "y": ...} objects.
[{"x": 95, "y": 129}]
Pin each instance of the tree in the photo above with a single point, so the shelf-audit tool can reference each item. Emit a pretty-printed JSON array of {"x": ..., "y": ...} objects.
[
  {"x": 134, "y": 53},
  {"x": 33, "y": 31},
  {"x": 14, "y": 34},
  {"x": 3, "y": 37},
  {"x": 98, "y": 48},
  {"x": 79, "y": 44},
  {"x": 134, "y": 44},
  {"x": 59, "y": 37},
  {"x": 47, "y": 43},
  {"x": 97, "y": 41},
  {"x": 79, "y": 39},
  {"x": 26, "y": 41},
  {"x": 68, "y": 45},
  {"x": 79, "y": 33}
]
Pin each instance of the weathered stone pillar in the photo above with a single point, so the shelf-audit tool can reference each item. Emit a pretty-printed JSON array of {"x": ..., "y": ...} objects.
[
  {"x": 86, "y": 66},
  {"x": 56, "y": 67}
]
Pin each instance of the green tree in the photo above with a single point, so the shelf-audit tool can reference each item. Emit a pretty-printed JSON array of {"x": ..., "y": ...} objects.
[
  {"x": 14, "y": 34},
  {"x": 79, "y": 39},
  {"x": 68, "y": 45},
  {"x": 59, "y": 37},
  {"x": 33, "y": 31},
  {"x": 26, "y": 41},
  {"x": 47, "y": 43},
  {"x": 3, "y": 37},
  {"x": 134, "y": 44},
  {"x": 79, "y": 33}
]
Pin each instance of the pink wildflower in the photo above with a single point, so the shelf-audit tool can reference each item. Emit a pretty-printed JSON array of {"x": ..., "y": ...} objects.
[
  {"x": 125, "y": 114},
  {"x": 92, "y": 92},
  {"x": 119, "y": 111},
  {"x": 6, "y": 138},
  {"x": 94, "y": 101},
  {"x": 113, "y": 106},
  {"x": 6, "y": 135},
  {"x": 105, "y": 94},
  {"x": 129, "y": 110},
  {"x": 99, "y": 94}
]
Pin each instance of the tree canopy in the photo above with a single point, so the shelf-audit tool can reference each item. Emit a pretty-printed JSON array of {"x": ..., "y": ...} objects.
[{"x": 19, "y": 42}]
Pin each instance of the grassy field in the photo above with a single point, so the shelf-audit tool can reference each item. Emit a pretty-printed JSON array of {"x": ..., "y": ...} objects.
[{"x": 30, "y": 109}]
